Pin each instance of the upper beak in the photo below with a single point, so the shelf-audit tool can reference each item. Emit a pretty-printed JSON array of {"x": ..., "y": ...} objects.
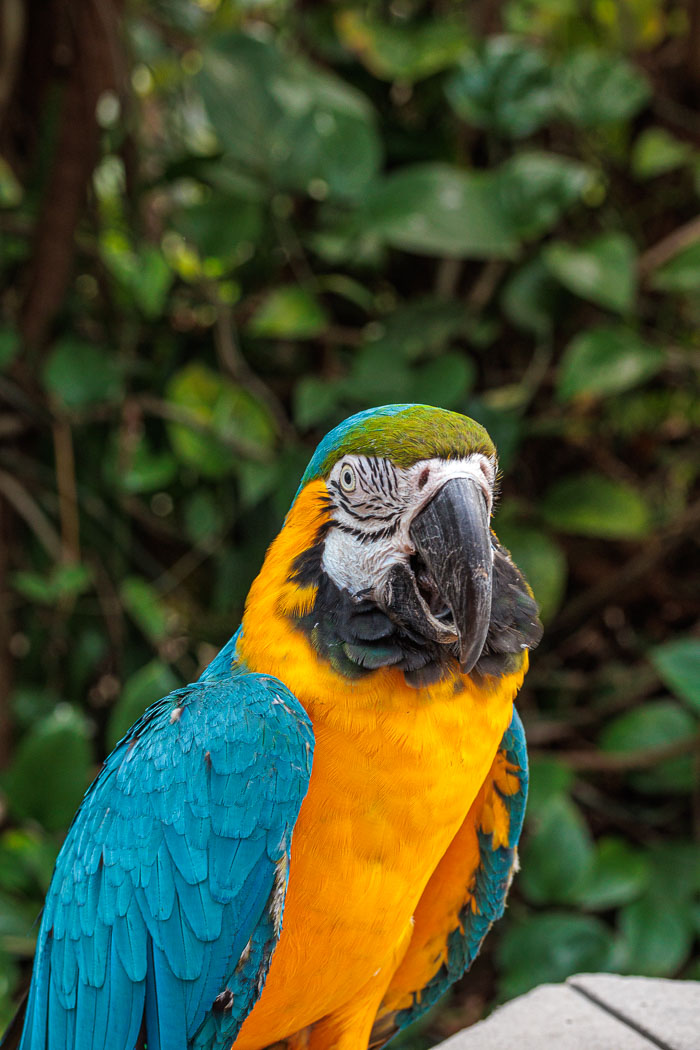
[{"x": 451, "y": 534}]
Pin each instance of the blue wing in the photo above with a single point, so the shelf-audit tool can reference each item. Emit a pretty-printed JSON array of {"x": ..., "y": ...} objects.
[
  {"x": 165, "y": 905},
  {"x": 461, "y": 902}
]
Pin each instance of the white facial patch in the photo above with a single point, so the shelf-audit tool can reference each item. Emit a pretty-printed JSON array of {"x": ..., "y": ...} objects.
[{"x": 375, "y": 503}]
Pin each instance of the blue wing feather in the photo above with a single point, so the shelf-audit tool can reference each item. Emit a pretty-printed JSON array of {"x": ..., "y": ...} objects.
[{"x": 169, "y": 886}]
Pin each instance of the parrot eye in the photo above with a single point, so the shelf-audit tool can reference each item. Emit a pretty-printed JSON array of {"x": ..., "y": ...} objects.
[{"x": 347, "y": 479}]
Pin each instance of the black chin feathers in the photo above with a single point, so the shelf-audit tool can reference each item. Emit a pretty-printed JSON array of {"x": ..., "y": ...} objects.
[{"x": 357, "y": 637}]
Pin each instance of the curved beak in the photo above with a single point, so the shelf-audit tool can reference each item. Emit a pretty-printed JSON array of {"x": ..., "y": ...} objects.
[{"x": 452, "y": 538}]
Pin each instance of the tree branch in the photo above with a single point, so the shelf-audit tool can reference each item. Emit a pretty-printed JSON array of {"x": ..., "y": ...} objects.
[{"x": 623, "y": 761}]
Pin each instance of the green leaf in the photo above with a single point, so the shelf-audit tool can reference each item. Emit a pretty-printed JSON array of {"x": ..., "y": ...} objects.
[
  {"x": 606, "y": 360},
  {"x": 530, "y": 299},
  {"x": 257, "y": 481},
  {"x": 152, "y": 283},
  {"x": 221, "y": 226},
  {"x": 678, "y": 664},
  {"x": 78, "y": 374},
  {"x": 27, "y": 860},
  {"x": 551, "y": 946},
  {"x": 437, "y": 209},
  {"x": 541, "y": 560},
  {"x": 656, "y": 151},
  {"x": 63, "y": 581},
  {"x": 138, "y": 467},
  {"x": 619, "y": 874},
  {"x": 503, "y": 424},
  {"x": 10, "y": 187},
  {"x": 289, "y": 312},
  {"x": 408, "y": 52},
  {"x": 237, "y": 72},
  {"x": 300, "y": 127},
  {"x": 594, "y": 505},
  {"x": 276, "y": 481},
  {"x": 505, "y": 87},
  {"x": 533, "y": 189},
  {"x": 142, "y": 273},
  {"x": 51, "y": 769},
  {"x": 378, "y": 378},
  {"x": 204, "y": 517},
  {"x": 602, "y": 270},
  {"x": 676, "y": 868},
  {"x": 419, "y": 328},
  {"x": 557, "y": 855},
  {"x": 346, "y": 287},
  {"x": 146, "y": 607},
  {"x": 237, "y": 423},
  {"x": 9, "y": 971},
  {"x": 315, "y": 400},
  {"x": 444, "y": 382},
  {"x": 30, "y": 704},
  {"x": 328, "y": 133},
  {"x": 147, "y": 685},
  {"x": 681, "y": 273},
  {"x": 655, "y": 724},
  {"x": 657, "y": 934},
  {"x": 549, "y": 779},
  {"x": 595, "y": 88},
  {"x": 16, "y": 920}
]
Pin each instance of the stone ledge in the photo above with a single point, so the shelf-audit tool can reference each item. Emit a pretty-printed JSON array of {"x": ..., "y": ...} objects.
[{"x": 593, "y": 1012}]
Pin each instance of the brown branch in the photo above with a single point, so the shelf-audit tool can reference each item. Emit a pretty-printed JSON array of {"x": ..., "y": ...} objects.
[
  {"x": 630, "y": 573},
  {"x": 13, "y": 25},
  {"x": 91, "y": 72},
  {"x": 110, "y": 604},
  {"x": 189, "y": 562},
  {"x": 447, "y": 275},
  {"x": 486, "y": 283},
  {"x": 67, "y": 490},
  {"x": 665, "y": 249},
  {"x": 232, "y": 359},
  {"x": 6, "y": 631},
  {"x": 692, "y": 57},
  {"x": 31, "y": 512},
  {"x": 11, "y": 426},
  {"x": 678, "y": 118},
  {"x": 623, "y": 761}
]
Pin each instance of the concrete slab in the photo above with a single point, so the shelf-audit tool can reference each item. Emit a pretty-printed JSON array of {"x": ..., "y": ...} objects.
[
  {"x": 553, "y": 1015},
  {"x": 665, "y": 1011}
]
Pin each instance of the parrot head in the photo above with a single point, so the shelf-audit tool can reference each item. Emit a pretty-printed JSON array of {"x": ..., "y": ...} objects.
[{"x": 398, "y": 564}]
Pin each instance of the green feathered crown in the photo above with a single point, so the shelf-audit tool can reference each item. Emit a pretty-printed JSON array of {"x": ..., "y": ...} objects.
[{"x": 402, "y": 433}]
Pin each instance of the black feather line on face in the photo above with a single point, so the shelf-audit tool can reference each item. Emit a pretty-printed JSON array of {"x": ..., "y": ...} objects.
[
  {"x": 306, "y": 569},
  {"x": 368, "y": 537}
]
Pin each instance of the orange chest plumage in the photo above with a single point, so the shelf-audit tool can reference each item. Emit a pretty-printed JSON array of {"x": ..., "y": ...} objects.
[{"x": 395, "y": 772}]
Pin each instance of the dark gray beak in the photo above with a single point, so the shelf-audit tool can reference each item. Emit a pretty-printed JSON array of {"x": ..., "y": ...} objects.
[{"x": 452, "y": 538}]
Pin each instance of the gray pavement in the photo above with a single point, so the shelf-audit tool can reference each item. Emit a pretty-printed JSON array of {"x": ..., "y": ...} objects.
[{"x": 593, "y": 1012}]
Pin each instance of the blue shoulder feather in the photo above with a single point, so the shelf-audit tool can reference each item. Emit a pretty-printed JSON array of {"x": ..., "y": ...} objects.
[{"x": 166, "y": 902}]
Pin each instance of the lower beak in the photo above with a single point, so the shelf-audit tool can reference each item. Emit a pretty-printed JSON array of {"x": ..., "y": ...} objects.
[{"x": 452, "y": 538}]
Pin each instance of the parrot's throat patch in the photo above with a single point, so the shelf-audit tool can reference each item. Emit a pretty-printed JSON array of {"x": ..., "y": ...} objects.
[{"x": 357, "y": 637}]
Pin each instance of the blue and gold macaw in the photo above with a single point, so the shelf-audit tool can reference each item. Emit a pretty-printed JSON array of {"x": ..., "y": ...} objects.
[{"x": 350, "y": 762}]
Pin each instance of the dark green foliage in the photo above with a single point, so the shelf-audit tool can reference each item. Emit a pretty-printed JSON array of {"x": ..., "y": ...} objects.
[{"x": 301, "y": 211}]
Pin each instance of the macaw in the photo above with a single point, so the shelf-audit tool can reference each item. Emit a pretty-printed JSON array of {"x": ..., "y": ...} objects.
[{"x": 304, "y": 848}]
